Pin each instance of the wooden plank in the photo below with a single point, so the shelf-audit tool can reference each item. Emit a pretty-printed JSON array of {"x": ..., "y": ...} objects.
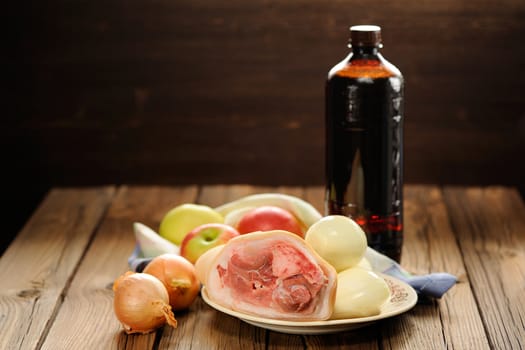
[
  {"x": 36, "y": 270},
  {"x": 315, "y": 196},
  {"x": 281, "y": 341},
  {"x": 90, "y": 296},
  {"x": 205, "y": 328},
  {"x": 430, "y": 246},
  {"x": 489, "y": 223},
  {"x": 62, "y": 296},
  {"x": 360, "y": 339},
  {"x": 215, "y": 195}
]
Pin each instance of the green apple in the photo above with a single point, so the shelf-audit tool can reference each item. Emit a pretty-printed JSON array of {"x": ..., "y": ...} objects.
[{"x": 184, "y": 218}]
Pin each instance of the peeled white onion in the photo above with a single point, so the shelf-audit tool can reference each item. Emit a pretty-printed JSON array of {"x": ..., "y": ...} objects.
[
  {"x": 339, "y": 240},
  {"x": 360, "y": 293}
]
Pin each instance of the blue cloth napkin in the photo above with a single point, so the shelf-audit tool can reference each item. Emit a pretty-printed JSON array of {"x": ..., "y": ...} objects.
[
  {"x": 433, "y": 285},
  {"x": 136, "y": 261}
]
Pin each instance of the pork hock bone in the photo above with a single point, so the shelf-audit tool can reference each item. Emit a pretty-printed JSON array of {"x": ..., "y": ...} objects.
[{"x": 273, "y": 274}]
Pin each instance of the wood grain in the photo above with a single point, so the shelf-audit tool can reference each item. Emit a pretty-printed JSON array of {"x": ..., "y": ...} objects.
[
  {"x": 79, "y": 241},
  {"x": 37, "y": 269},
  {"x": 430, "y": 246},
  {"x": 90, "y": 297},
  {"x": 493, "y": 249}
]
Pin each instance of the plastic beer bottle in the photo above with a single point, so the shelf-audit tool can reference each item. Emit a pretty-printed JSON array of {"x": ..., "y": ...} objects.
[{"x": 364, "y": 141}]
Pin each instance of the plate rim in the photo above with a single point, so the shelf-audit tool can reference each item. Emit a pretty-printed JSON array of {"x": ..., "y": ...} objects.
[{"x": 409, "y": 304}]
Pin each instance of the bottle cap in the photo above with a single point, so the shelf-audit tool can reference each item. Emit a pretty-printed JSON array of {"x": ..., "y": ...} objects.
[{"x": 365, "y": 35}]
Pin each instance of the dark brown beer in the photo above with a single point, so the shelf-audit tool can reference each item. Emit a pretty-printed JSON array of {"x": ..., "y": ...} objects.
[{"x": 364, "y": 142}]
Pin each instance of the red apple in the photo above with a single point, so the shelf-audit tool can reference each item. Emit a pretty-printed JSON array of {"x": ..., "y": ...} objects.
[
  {"x": 267, "y": 218},
  {"x": 203, "y": 238}
]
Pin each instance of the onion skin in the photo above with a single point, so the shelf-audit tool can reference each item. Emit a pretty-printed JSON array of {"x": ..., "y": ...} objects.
[
  {"x": 178, "y": 276},
  {"x": 141, "y": 303}
]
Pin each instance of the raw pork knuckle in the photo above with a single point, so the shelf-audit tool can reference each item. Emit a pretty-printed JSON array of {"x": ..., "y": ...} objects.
[{"x": 273, "y": 274}]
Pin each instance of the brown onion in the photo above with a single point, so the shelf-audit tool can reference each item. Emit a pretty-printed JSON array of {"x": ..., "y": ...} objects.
[
  {"x": 141, "y": 303},
  {"x": 178, "y": 276}
]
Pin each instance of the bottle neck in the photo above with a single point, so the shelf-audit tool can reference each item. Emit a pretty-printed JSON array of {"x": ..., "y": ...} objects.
[{"x": 365, "y": 51}]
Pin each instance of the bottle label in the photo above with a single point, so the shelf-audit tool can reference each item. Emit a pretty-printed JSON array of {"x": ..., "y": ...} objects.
[{"x": 353, "y": 105}]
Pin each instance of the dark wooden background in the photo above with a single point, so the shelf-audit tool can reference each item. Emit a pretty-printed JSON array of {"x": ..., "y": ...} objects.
[{"x": 203, "y": 91}]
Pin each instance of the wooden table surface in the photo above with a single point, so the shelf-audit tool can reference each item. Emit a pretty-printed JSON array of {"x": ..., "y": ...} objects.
[{"x": 56, "y": 276}]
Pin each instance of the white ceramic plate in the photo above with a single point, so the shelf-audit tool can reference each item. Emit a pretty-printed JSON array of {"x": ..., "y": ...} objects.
[{"x": 403, "y": 298}]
